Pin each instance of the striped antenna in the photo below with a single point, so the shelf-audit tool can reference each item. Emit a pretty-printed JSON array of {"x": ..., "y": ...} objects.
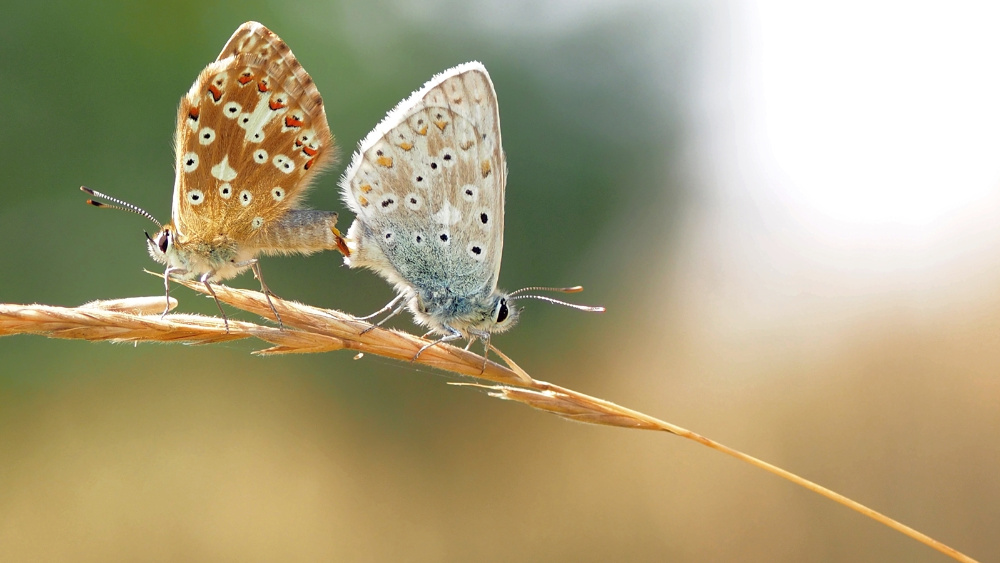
[{"x": 118, "y": 204}]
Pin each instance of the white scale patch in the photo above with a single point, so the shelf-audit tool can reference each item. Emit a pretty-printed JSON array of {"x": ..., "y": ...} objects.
[
  {"x": 278, "y": 193},
  {"x": 190, "y": 162},
  {"x": 476, "y": 250},
  {"x": 448, "y": 157},
  {"x": 255, "y": 121},
  {"x": 195, "y": 197},
  {"x": 245, "y": 198},
  {"x": 447, "y": 215},
  {"x": 283, "y": 163},
  {"x": 257, "y": 222},
  {"x": 206, "y": 135},
  {"x": 419, "y": 177},
  {"x": 223, "y": 171},
  {"x": 232, "y": 110},
  {"x": 470, "y": 193},
  {"x": 413, "y": 201}
]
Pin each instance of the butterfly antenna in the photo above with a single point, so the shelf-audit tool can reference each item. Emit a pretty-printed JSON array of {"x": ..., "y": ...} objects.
[
  {"x": 118, "y": 204},
  {"x": 575, "y": 289}
]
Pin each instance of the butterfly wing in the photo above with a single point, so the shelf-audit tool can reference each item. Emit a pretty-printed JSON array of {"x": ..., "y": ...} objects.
[
  {"x": 427, "y": 186},
  {"x": 251, "y": 135}
]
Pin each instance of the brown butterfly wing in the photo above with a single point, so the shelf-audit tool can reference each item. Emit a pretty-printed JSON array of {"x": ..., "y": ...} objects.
[{"x": 251, "y": 136}]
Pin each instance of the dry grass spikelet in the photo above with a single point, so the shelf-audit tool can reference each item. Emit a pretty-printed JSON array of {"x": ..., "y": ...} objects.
[{"x": 310, "y": 329}]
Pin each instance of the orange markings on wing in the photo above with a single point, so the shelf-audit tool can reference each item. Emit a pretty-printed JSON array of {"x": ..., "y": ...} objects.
[
  {"x": 262, "y": 86},
  {"x": 441, "y": 124},
  {"x": 309, "y": 151},
  {"x": 309, "y": 163},
  {"x": 405, "y": 146},
  {"x": 486, "y": 168},
  {"x": 246, "y": 78},
  {"x": 290, "y": 121},
  {"x": 215, "y": 92},
  {"x": 276, "y": 104},
  {"x": 384, "y": 161},
  {"x": 365, "y": 188},
  {"x": 193, "y": 113}
]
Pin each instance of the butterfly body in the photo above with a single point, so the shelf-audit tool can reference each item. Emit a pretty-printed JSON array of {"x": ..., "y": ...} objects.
[
  {"x": 298, "y": 231},
  {"x": 251, "y": 136},
  {"x": 427, "y": 186}
]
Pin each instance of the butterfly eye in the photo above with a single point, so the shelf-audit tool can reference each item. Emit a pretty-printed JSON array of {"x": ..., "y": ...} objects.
[
  {"x": 502, "y": 311},
  {"x": 163, "y": 240}
]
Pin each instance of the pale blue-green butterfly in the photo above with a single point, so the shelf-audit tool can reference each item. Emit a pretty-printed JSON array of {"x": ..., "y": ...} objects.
[{"x": 427, "y": 187}]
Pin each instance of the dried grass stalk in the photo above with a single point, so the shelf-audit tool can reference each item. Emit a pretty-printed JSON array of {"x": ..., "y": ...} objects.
[{"x": 310, "y": 329}]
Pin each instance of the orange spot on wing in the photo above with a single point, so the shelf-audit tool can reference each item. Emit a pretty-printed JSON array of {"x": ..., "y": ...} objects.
[
  {"x": 405, "y": 146},
  {"x": 290, "y": 121},
  {"x": 365, "y": 188},
  {"x": 193, "y": 113},
  {"x": 245, "y": 78},
  {"x": 262, "y": 86},
  {"x": 441, "y": 124},
  {"x": 422, "y": 130},
  {"x": 363, "y": 201},
  {"x": 486, "y": 168},
  {"x": 384, "y": 161},
  {"x": 309, "y": 151},
  {"x": 215, "y": 92},
  {"x": 309, "y": 163},
  {"x": 276, "y": 104}
]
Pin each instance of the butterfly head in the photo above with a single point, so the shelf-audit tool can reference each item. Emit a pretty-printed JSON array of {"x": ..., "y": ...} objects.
[
  {"x": 504, "y": 314},
  {"x": 161, "y": 245}
]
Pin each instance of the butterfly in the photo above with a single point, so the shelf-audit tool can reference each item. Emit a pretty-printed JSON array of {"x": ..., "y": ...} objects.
[
  {"x": 251, "y": 136},
  {"x": 427, "y": 188}
]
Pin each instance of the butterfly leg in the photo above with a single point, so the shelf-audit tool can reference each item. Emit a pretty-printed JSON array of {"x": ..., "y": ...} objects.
[
  {"x": 255, "y": 266},
  {"x": 166, "y": 286},
  {"x": 388, "y": 306},
  {"x": 453, "y": 335},
  {"x": 485, "y": 336},
  {"x": 208, "y": 286}
]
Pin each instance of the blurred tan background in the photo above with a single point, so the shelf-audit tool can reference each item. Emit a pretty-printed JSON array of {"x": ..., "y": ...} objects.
[{"x": 793, "y": 216}]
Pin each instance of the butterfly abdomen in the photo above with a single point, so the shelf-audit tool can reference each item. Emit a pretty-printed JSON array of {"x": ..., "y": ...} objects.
[{"x": 302, "y": 231}]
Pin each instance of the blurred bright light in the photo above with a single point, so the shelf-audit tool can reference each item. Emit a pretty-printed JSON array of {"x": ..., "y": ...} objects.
[{"x": 876, "y": 112}]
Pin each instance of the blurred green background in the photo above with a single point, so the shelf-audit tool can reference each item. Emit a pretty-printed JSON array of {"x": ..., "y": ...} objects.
[{"x": 770, "y": 278}]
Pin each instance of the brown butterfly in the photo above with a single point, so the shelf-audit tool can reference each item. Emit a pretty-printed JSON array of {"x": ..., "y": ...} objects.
[{"x": 251, "y": 136}]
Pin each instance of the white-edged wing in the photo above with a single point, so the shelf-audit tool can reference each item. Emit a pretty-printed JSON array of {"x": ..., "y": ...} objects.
[{"x": 427, "y": 186}]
